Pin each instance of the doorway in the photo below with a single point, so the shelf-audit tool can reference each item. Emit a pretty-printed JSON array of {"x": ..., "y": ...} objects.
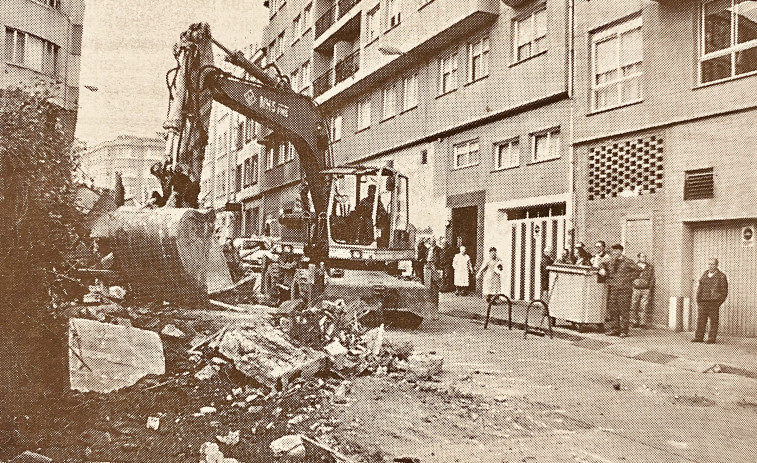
[{"x": 465, "y": 232}]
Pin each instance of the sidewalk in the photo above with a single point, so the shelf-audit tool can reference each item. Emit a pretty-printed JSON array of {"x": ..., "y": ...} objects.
[{"x": 734, "y": 355}]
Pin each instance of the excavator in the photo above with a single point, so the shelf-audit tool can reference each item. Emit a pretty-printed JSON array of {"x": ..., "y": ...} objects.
[{"x": 352, "y": 230}]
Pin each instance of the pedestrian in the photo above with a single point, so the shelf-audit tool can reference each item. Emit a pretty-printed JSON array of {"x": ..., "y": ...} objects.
[
  {"x": 642, "y": 291},
  {"x": 711, "y": 293},
  {"x": 547, "y": 259},
  {"x": 448, "y": 254},
  {"x": 432, "y": 272},
  {"x": 583, "y": 257},
  {"x": 420, "y": 260},
  {"x": 491, "y": 271},
  {"x": 601, "y": 257},
  {"x": 621, "y": 273},
  {"x": 565, "y": 258},
  {"x": 463, "y": 268}
]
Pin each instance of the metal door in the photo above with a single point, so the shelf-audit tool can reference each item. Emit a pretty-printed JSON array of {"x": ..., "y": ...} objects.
[{"x": 738, "y": 315}]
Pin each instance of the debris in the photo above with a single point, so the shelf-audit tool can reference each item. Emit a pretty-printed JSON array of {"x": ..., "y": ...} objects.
[
  {"x": 207, "y": 372},
  {"x": 424, "y": 365},
  {"x": 105, "y": 357},
  {"x": 172, "y": 331},
  {"x": 290, "y": 445},
  {"x": 337, "y": 354},
  {"x": 31, "y": 457},
  {"x": 374, "y": 339},
  {"x": 265, "y": 353},
  {"x": 207, "y": 410},
  {"x": 406, "y": 459},
  {"x": 117, "y": 292},
  {"x": 313, "y": 447},
  {"x": 212, "y": 454},
  {"x": 153, "y": 422},
  {"x": 232, "y": 438}
]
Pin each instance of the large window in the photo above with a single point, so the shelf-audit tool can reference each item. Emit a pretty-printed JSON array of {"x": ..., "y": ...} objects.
[
  {"x": 270, "y": 161},
  {"x": 507, "y": 154},
  {"x": 530, "y": 34},
  {"x": 466, "y": 154},
  {"x": 410, "y": 92},
  {"x": 305, "y": 75},
  {"x": 393, "y": 15},
  {"x": 372, "y": 24},
  {"x": 545, "y": 145},
  {"x": 389, "y": 101},
  {"x": 728, "y": 40},
  {"x": 280, "y": 45},
  {"x": 31, "y": 51},
  {"x": 306, "y": 17},
  {"x": 448, "y": 74},
  {"x": 478, "y": 59},
  {"x": 617, "y": 65},
  {"x": 364, "y": 114},
  {"x": 296, "y": 28},
  {"x": 336, "y": 128}
]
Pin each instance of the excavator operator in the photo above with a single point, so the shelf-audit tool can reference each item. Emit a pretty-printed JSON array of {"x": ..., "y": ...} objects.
[{"x": 364, "y": 211}]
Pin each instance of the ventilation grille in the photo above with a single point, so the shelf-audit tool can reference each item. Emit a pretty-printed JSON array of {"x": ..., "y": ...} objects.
[{"x": 699, "y": 184}]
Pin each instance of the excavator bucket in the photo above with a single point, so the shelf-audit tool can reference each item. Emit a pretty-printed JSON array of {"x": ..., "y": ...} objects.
[{"x": 166, "y": 254}]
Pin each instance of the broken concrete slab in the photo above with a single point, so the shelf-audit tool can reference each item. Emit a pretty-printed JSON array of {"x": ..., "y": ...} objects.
[
  {"x": 424, "y": 365},
  {"x": 104, "y": 357},
  {"x": 266, "y": 354},
  {"x": 172, "y": 331},
  {"x": 290, "y": 445}
]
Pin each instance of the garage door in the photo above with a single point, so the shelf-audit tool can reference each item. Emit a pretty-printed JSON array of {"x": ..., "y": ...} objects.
[{"x": 738, "y": 315}]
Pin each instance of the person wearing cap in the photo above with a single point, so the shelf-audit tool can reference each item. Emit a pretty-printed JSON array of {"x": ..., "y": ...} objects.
[{"x": 621, "y": 273}]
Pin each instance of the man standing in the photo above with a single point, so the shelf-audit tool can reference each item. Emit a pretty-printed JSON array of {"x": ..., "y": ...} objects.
[
  {"x": 448, "y": 254},
  {"x": 621, "y": 272},
  {"x": 711, "y": 293},
  {"x": 547, "y": 259},
  {"x": 642, "y": 290},
  {"x": 420, "y": 261},
  {"x": 432, "y": 275}
]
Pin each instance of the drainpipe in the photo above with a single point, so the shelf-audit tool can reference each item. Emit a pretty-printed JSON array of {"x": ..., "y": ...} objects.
[{"x": 571, "y": 97}]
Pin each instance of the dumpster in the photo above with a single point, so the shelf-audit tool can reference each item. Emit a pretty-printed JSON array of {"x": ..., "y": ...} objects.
[{"x": 576, "y": 296}]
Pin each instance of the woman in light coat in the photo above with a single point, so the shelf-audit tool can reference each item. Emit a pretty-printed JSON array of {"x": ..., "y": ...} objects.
[
  {"x": 491, "y": 271},
  {"x": 462, "y": 267}
]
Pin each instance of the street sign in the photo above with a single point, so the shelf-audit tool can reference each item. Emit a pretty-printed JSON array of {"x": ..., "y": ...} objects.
[
  {"x": 233, "y": 207},
  {"x": 747, "y": 236}
]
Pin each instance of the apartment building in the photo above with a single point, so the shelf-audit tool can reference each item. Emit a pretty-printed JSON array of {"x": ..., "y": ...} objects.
[
  {"x": 43, "y": 47},
  {"x": 132, "y": 157},
  {"x": 665, "y": 146},
  {"x": 470, "y": 100}
]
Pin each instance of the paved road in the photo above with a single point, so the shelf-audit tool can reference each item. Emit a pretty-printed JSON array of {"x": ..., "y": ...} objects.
[{"x": 547, "y": 400}]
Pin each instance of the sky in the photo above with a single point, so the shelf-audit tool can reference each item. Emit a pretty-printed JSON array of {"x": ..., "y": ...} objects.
[{"x": 127, "y": 50}]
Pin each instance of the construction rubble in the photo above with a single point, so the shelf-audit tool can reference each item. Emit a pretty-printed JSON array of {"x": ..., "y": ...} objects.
[{"x": 244, "y": 380}]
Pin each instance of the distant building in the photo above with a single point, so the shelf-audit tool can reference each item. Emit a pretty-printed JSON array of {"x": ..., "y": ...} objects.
[
  {"x": 133, "y": 157},
  {"x": 42, "y": 46}
]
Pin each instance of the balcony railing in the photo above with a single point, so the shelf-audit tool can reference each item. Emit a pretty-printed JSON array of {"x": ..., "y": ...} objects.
[
  {"x": 325, "y": 21},
  {"x": 347, "y": 67},
  {"x": 337, "y": 10},
  {"x": 344, "y": 69}
]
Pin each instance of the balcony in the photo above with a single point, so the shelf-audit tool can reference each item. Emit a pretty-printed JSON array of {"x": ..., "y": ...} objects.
[
  {"x": 336, "y": 12},
  {"x": 344, "y": 69}
]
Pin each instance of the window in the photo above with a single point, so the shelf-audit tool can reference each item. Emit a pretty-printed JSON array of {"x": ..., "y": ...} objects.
[
  {"x": 424, "y": 156},
  {"x": 410, "y": 92},
  {"x": 280, "y": 45},
  {"x": 699, "y": 184},
  {"x": 306, "y": 17},
  {"x": 336, "y": 128},
  {"x": 478, "y": 59},
  {"x": 448, "y": 74},
  {"x": 271, "y": 53},
  {"x": 238, "y": 178},
  {"x": 372, "y": 24},
  {"x": 530, "y": 35},
  {"x": 240, "y": 136},
  {"x": 364, "y": 114},
  {"x": 283, "y": 153},
  {"x": 393, "y": 15},
  {"x": 295, "y": 80},
  {"x": 289, "y": 152},
  {"x": 247, "y": 172},
  {"x": 617, "y": 69},
  {"x": 273, "y": 7},
  {"x": 77, "y": 30},
  {"x": 466, "y": 154},
  {"x": 728, "y": 40},
  {"x": 255, "y": 167},
  {"x": 507, "y": 154},
  {"x": 545, "y": 145},
  {"x": 270, "y": 154},
  {"x": 249, "y": 130},
  {"x": 305, "y": 75},
  {"x": 296, "y": 31},
  {"x": 31, "y": 51},
  {"x": 389, "y": 102}
]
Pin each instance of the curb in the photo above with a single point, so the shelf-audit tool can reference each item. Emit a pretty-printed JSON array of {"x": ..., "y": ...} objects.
[{"x": 619, "y": 349}]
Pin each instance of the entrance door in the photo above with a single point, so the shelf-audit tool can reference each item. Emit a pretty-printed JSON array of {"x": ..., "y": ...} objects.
[
  {"x": 465, "y": 230},
  {"x": 738, "y": 315}
]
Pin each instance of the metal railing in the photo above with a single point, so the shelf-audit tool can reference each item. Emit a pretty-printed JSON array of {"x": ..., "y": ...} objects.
[
  {"x": 322, "y": 83},
  {"x": 345, "y": 6},
  {"x": 347, "y": 67},
  {"x": 325, "y": 21}
]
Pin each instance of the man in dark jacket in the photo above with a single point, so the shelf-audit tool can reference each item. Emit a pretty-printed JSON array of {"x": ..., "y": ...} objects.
[
  {"x": 711, "y": 293},
  {"x": 621, "y": 272},
  {"x": 420, "y": 260},
  {"x": 642, "y": 291}
]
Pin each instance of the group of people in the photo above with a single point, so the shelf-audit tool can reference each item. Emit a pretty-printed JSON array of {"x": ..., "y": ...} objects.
[{"x": 630, "y": 285}]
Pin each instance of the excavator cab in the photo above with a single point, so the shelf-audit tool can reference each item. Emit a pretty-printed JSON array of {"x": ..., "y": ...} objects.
[{"x": 368, "y": 214}]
